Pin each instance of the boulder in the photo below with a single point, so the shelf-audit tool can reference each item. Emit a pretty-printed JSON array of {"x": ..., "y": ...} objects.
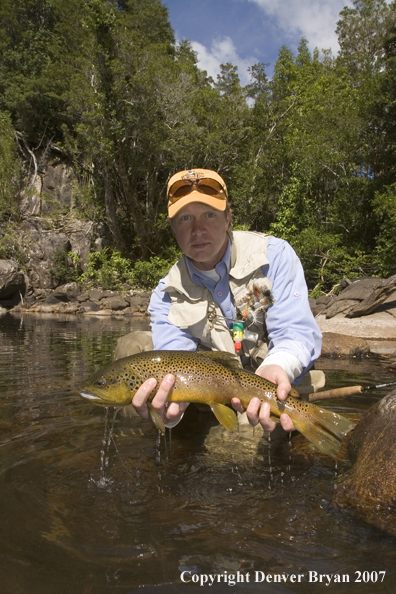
[
  {"x": 368, "y": 489},
  {"x": 352, "y": 295},
  {"x": 115, "y": 303},
  {"x": 359, "y": 289},
  {"x": 342, "y": 346},
  {"x": 339, "y": 306},
  {"x": 12, "y": 281},
  {"x": 89, "y": 307},
  {"x": 68, "y": 292},
  {"x": 138, "y": 341}
]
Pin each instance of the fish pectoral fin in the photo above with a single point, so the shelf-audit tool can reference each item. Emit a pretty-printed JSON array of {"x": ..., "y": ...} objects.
[
  {"x": 227, "y": 359},
  {"x": 158, "y": 422},
  {"x": 226, "y": 416}
]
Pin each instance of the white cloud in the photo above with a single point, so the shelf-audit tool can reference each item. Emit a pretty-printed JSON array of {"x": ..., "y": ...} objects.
[
  {"x": 221, "y": 52},
  {"x": 314, "y": 19}
]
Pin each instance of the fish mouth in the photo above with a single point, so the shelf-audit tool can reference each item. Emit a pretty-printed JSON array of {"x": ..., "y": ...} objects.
[
  {"x": 103, "y": 401},
  {"x": 96, "y": 399}
]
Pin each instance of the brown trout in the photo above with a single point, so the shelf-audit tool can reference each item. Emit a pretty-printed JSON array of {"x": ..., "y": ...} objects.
[{"x": 212, "y": 378}]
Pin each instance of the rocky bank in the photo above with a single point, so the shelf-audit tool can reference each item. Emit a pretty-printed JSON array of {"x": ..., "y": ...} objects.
[{"x": 359, "y": 322}]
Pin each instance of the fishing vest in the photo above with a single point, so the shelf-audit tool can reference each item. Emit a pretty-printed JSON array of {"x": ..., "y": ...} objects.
[{"x": 194, "y": 309}]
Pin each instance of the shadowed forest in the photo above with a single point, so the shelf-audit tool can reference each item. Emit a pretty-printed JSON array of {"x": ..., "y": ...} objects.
[{"x": 308, "y": 155}]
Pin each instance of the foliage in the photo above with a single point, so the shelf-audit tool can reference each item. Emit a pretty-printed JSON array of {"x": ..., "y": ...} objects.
[
  {"x": 9, "y": 169},
  {"x": 109, "y": 270},
  {"x": 147, "y": 274},
  {"x": 385, "y": 253},
  {"x": 67, "y": 266},
  {"x": 9, "y": 244},
  {"x": 309, "y": 155}
]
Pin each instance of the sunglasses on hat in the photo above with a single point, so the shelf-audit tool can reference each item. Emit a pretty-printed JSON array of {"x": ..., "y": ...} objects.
[{"x": 205, "y": 185}]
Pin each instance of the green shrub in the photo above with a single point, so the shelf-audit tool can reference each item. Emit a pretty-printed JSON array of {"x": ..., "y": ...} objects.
[
  {"x": 9, "y": 169},
  {"x": 110, "y": 270},
  {"x": 147, "y": 274},
  {"x": 107, "y": 269},
  {"x": 385, "y": 252}
]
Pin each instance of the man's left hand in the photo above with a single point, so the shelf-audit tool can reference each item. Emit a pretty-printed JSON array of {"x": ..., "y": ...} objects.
[{"x": 260, "y": 413}]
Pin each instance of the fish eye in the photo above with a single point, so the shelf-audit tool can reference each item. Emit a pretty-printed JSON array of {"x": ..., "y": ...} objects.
[{"x": 101, "y": 383}]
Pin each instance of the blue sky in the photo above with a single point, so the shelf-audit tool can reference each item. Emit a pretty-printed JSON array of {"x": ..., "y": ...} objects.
[{"x": 245, "y": 32}]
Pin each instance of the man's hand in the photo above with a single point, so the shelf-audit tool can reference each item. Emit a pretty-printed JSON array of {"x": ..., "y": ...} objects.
[
  {"x": 170, "y": 412},
  {"x": 260, "y": 413}
]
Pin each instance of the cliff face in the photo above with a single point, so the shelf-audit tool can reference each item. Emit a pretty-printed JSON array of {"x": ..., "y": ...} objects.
[{"x": 48, "y": 226}]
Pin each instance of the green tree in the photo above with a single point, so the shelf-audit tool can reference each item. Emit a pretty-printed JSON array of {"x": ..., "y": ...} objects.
[{"x": 9, "y": 169}]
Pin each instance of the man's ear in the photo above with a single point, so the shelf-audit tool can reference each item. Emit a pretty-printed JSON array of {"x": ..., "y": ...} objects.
[{"x": 171, "y": 226}]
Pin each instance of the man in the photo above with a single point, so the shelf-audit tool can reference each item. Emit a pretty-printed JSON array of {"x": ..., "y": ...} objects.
[{"x": 223, "y": 278}]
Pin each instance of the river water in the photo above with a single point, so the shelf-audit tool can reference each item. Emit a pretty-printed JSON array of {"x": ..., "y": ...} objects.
[{"x": 93, "y": 504}]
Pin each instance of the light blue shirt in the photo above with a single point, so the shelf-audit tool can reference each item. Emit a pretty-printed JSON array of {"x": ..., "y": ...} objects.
[{"x": 290, "y": 324}]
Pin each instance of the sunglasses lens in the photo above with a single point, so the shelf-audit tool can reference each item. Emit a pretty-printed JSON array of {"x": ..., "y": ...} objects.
[
  {"x": 180, "y": 189},
  {"x": 206, "y": 186},
  {"x": 205, "y": 189}
]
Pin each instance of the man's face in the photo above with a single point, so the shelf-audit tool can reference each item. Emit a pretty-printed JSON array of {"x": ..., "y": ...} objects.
[{"x": 201, "y": 232}]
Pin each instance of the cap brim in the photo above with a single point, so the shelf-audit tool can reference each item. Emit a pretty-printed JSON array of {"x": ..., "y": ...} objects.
[{"x": 216, "y": 203}]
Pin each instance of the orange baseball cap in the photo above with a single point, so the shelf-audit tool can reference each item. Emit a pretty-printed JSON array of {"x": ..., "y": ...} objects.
[{"x": 196, "y": 185}]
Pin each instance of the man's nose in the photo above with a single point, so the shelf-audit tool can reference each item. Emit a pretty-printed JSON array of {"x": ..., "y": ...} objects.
[{"x": 198, "y": 226}]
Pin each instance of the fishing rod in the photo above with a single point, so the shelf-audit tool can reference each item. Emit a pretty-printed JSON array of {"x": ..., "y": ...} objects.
[{"x": 342, "y": 392}]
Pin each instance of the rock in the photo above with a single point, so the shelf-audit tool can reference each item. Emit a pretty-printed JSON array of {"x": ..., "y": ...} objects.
[
  {"x": 97, "y": 294},
  {"x": 70, "y": 308},
  {"x": 89, "y": 307},
  {"x": 12, "y": 280},
  {"x": 359, "y": 289},
  {"x": 376, "y": 326},
  {"x": 316, "y": 307},
  {"x": 340, "y": 345},
  {"x": 68, "y": 292},
  {"x": 134, "y": 342},
  {"x": 40, "y": 240},
  {"x": 350, "y": 297},
  {"x": 389, "y": 305},
  {"x": 139, "y": 300},
  {"x": 115, "y": 303},
  {"x": 382, "y": 348},
  {"x": 339, "y": 306},
  {"x": 52, "y": 300},
  {"x": 99, "y": 312},
  {"x": 325, "y": 299},
  {"x": 369, "y": 489},
  {"x": 380, "y": 293}
]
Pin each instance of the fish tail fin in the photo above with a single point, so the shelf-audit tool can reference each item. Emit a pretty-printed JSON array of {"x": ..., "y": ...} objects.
[
  {"x": 324, "y": 428},
  {"x": 156, "y": 419},
  {"x": 226, "y": 416}
]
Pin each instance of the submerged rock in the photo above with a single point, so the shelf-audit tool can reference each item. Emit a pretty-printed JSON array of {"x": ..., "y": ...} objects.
[{"x": 368, "y": 489}]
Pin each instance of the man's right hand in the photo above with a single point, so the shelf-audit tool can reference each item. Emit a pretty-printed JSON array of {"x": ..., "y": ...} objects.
[{"x": 170, "y": 412}]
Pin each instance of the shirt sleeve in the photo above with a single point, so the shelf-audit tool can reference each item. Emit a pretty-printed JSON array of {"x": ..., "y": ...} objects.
[
  {"x": 167, "y": 336},
  {"x": 292, "y": 330}
]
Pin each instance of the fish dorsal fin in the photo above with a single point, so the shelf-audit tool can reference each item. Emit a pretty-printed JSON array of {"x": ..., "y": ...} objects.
[{"x": 227, "y": 359}]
